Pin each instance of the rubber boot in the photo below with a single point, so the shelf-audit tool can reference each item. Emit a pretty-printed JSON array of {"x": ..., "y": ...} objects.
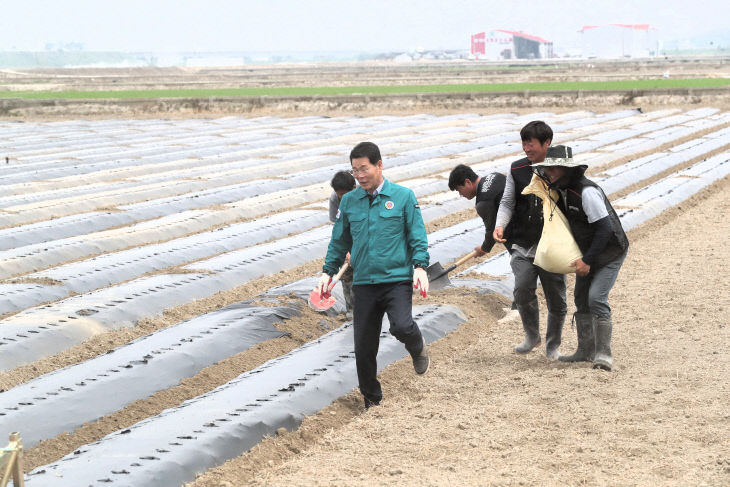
[
  {"x": 586, "y": 340},
  {"x": 603, "y": 327},
  {"x": 530, "y": 315},
  {"x": 553, "y": 335}
]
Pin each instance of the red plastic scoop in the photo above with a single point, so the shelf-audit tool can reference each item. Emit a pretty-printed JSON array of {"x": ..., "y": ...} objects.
[{"x": 322, "y": 301}]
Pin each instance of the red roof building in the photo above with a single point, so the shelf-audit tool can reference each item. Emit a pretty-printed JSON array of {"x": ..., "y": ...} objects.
[{"x": 507, "y": 44}]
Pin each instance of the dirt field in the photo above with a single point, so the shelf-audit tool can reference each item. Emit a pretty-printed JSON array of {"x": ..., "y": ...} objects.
[
  {"x": 482, "y": 415},
  {"x": 362, "y": 74},
  {"x": 359, "y": 74},
  {"x": 485, "y": 416}
]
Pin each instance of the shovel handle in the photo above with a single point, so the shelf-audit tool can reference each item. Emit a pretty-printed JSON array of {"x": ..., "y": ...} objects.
[
  {"x": 468, "y": 256},
  {"x": 338, "y": 275},
  {"x": 456, "y": 264}
]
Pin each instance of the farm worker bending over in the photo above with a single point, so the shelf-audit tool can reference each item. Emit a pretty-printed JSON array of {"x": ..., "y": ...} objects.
[
  {"x": 342, "y": 183},
  {"x": 380, "y": 223},
  {"x": 602, "y": 241},
  {"x": 488, "y": 192},
  {"x": 519, "y": 224}
]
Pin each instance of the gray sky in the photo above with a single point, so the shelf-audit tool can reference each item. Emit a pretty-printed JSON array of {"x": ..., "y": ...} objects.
[{"x": 330, "y": 25}]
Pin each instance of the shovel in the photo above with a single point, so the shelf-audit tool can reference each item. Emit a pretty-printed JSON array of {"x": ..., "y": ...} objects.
[
  {"x": 438, "y": 277},
  {"x": 324, "y": 301}
]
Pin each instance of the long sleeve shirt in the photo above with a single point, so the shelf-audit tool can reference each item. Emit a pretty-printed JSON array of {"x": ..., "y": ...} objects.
[{"x": 489, "y": 194}]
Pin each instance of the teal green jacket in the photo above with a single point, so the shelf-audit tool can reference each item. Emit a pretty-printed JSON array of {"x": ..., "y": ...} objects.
[{"x": 386, "y": 239}]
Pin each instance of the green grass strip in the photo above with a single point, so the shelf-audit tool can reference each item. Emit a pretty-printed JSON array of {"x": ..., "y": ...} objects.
[{"x": 390, "y": 89}]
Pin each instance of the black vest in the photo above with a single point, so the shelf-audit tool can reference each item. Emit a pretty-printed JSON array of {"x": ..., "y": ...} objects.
[
  {"x": 582, "y": 231},
  {"x": 525, "y": 227}
]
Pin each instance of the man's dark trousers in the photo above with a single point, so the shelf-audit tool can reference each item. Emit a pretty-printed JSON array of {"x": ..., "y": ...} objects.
[{"x": 371, "y": 303}]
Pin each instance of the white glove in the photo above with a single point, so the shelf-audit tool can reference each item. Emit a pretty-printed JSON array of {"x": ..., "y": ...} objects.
[
  {"x": 324, "y": 284},
  {"x": 420, "y": 279}
]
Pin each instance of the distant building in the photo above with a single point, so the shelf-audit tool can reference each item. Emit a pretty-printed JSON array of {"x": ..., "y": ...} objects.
[
  {"x": 506, "y": 44},
  {"x": 618, "y": 40}
]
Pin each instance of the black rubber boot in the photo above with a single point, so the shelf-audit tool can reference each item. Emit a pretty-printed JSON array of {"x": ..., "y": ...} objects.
[
  {"x": 603, "y": 328},
  {"x": 421, "y": 360},
  {"x": 586, "y": 340},
  {"x": 370, "y": 403},
  {"x": 553, "y": 335},
  {"x": 530, "y": 315}
]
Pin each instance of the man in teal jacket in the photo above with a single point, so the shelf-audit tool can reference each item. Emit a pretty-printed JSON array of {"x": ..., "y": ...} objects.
[{"x": 380, "y": 224}]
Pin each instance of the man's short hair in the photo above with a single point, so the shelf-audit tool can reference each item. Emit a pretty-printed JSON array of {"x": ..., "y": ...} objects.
[
  {"x": 460, "y": 174},
  {"x": 342, "y": 181},
  {"x": 366, "y": 149},
  {"x": 537, "y": 129}
]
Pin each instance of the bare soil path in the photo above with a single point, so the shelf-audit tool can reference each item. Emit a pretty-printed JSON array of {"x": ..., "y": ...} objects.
[{"x": 485, "y": 416}]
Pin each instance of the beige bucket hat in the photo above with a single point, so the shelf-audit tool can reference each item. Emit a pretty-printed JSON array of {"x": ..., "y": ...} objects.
[{"x": 559, "y": 155}]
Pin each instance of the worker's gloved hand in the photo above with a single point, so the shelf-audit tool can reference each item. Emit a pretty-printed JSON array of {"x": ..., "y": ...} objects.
[
  {"x": 324, "y": 284},
  {"x": 420, "y": 280}
]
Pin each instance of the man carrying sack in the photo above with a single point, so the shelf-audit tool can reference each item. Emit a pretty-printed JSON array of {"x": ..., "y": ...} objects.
[
  {"x": 556, "y": 251},
  {"x": 602, "y": 241}
]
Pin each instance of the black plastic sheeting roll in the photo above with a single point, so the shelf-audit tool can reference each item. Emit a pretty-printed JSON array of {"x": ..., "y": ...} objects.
[
  {"x": 62, "y": 400},
  {"x": 42, "y": 331},
  {"x": 302, "y": 289},
  {"x": 104, "y": 270},
  {"x": 170, "y": 449}
]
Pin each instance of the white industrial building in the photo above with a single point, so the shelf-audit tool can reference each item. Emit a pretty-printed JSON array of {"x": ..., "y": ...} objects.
[{"x": 618, "y": 41}]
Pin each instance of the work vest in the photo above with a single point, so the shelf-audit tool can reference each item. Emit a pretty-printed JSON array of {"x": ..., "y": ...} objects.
[
  {"x": 582, "y": 230},
  {"x": 525, "y": 226}
]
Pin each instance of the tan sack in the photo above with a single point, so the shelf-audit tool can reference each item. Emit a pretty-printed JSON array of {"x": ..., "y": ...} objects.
[{"x": 557, "y": 248}]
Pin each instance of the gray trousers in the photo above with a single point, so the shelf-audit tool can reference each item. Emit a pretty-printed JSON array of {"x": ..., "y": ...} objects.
[
  {"x": 526, "y": 274},
  {"x": 346, "y": 281},
  {"x": 591, "y": 291}
]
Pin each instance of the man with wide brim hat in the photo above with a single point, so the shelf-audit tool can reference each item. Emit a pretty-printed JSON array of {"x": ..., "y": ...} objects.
[
  {"x": 598, "y": 232},
  {"x": 559, "y": 156}
]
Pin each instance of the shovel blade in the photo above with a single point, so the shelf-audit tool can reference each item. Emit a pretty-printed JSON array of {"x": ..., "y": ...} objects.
[
  {"x": 320, "y": 302},
  {"x": 438, "y": 277}
]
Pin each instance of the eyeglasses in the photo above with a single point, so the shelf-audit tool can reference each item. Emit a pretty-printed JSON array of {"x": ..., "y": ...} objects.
[{"x": 363, "y": 170}]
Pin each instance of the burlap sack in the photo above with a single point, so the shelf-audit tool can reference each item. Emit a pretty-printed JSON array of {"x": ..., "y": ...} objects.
[{"x": 557, "y": 248}]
